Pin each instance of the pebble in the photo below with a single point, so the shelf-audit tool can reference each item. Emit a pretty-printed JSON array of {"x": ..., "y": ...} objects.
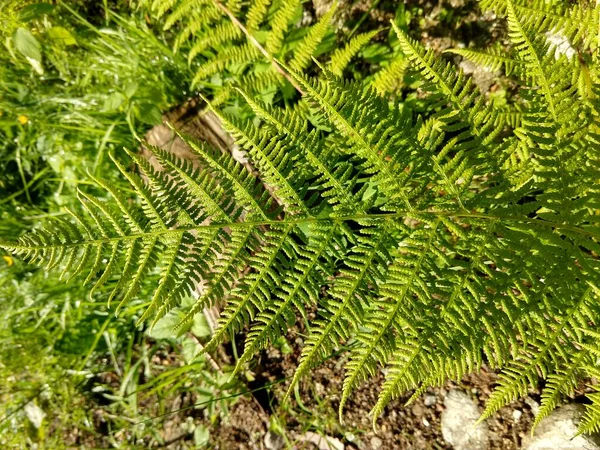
[
  {"x": 376, "y": 443},
  {"x": 517, "y": 413},
  {"x": 430, "y": 400},
  {"x": 417, "y": 410},
  {"x": 459, "y": 420},
  {"x": 273, "y": 441},
  {"x": 535, "y": 406},
  {"x": 320, "y": 389},
  {"x": 558, "y": 432}
]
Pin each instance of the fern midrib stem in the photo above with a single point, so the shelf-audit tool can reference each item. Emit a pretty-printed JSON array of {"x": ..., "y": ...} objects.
[{"x": 309, "y": 220}]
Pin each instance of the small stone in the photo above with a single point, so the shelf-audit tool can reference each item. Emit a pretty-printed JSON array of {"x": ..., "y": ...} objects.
[
  {"x": 417, "y": 410},
  {"x": 430, "y": 400},
  {"x": 535, "y": 406},
  {"x": 273, "y": 441},
  {"x": 517, "y": 413},
  {"x": 483, "y": 77},
  {"x": 558, "y": 432},
  {"x": 459, "y": 420},
  {"x": 376, "y": 443},
  {"x": 426, "y": 422},
  {"x": 35, "y": 414},
  {"x": 322, "y": 442},
  {"x": 320, "y": 389}
]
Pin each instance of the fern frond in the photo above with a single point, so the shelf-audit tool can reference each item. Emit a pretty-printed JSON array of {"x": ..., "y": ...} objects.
[
  {"x": 372, "y": 140},
  {"x": 233, "y": 56},
  {"x": 222, "y": 33},
  {"x": 578, "y": 22},
  {"x": 333, "y": 176},
  {"x": 431, "y": 241},
  {"x": 561, "y": 383},
  {"x": 342, "y": 57},
  {"x": 310, "y": 267},
  {"x": 247, "y": 191},
  {"x": 347, "y": 298},
  {"x": 274, "y": 161},
  {"x": 538, "y": 358},
  {"x": 492, "y": 60},
  {"x": 390, "y": 78},
  {"x": 590, "y": 423},
  {"x": 534, "y": 58},
  {"x": 305, "y": 50},
  {"x": 255, "y": 290},
  {"x": 203, "y": 19},
  {"x": 182, "y": 10},
  {"x": 257, "y": 14},
  {"x": 279, "y": 25},
  {"x": 376, "y": 340}
]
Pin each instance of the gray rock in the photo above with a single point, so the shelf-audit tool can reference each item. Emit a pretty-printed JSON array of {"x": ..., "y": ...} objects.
[
  {"x": 458, "y": 423},
  {"x": 273, "y": 441},
  {"x": 557, "y": 431},
  {"x": 376, "y": 443},
  {"x": 482, "y": 76},
  {"x": 517, "y": 414},
  {"x": 430, "y": 400},
  {"x": 322, "y": 442}
]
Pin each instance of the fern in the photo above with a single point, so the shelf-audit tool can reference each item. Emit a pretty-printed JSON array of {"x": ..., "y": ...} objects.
[
  {"x": 232, "y": 40},
  {"x": 434, "y": 242},
  {"x": 342, "y": 57},
  {"x": 577, "y": 23},
  {"x": 493, "y": 60},
  {"x": 227, "y": 43}
]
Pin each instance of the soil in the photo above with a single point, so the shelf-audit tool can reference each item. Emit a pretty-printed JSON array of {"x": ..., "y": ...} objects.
[{"x": 413, "y": 427}]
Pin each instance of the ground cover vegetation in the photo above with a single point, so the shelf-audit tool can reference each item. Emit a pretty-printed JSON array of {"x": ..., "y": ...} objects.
[{"x": 376, "y": 198}]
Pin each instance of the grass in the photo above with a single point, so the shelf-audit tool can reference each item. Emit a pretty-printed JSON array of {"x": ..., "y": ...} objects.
[{"x": 74, "y": 374}]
